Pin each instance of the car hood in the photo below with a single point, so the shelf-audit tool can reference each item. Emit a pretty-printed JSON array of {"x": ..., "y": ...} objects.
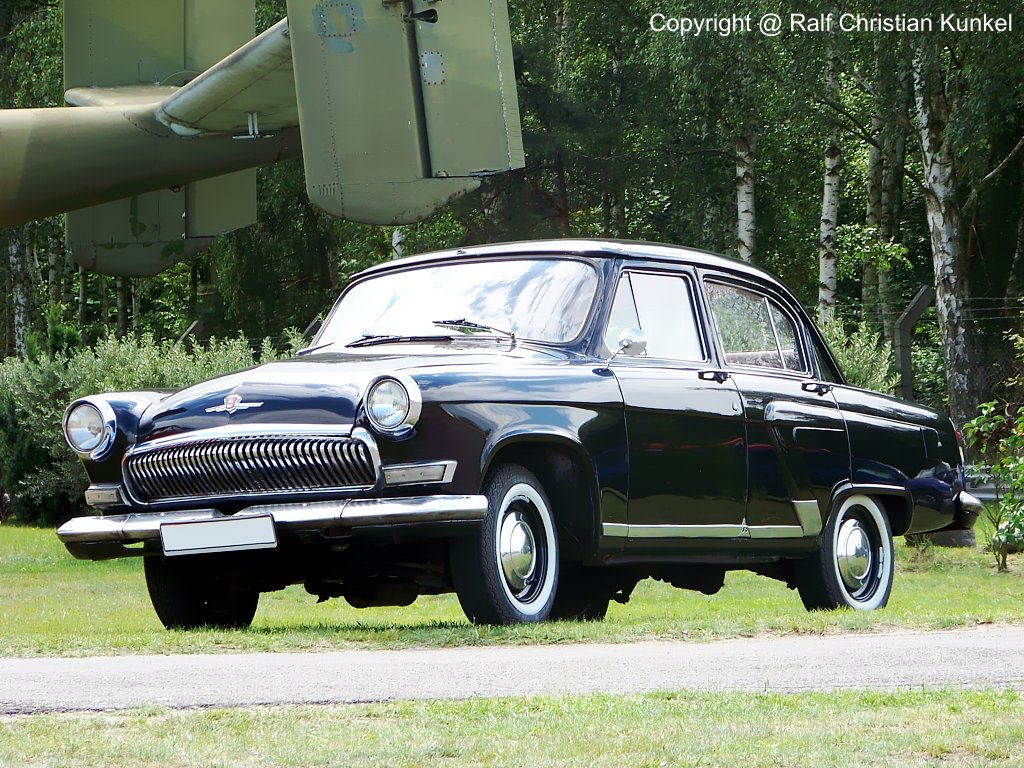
[{"x": 322, "y": 389}]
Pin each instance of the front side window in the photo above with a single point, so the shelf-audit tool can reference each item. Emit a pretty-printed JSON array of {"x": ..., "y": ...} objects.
[
  {"x": 662, "y": 307},
  {"x": 542, "y": 299},
  {"x": 754, "y": 330}
]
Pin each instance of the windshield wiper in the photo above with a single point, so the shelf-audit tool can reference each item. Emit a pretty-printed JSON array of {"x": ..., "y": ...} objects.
[
  {"x": 369, "y": 339},
  {"x": 469, "y": 327},
  {"x": 317, "y": 348}
]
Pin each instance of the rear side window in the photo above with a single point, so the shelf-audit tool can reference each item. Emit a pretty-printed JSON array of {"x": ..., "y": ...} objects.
[
  {"x": 754, "y": 330},
  {"x": 822, "y": 359},
  {"x": 662, "y": 307}
]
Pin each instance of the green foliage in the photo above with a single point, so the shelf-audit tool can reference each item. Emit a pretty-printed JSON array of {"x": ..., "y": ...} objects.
[
  {"x": 997, "y": 433},
  {"x": 289, "y": 267},
  {"x": 928, "y": 364},
  {"x": 34, "y": 74},
  {"x": 61, "y": 337},
  {"x": 865, "y": 360},
  {"x": 858, "y": 245},
  {"x": 43, "y": 477}
]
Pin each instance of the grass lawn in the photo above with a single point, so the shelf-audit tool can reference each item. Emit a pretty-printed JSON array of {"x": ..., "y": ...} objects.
[
  {"x": 52, "y": 604},
  {"x": 949, "y": 728}
]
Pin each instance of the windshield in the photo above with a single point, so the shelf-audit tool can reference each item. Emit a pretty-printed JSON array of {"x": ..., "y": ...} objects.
[{"x": 542, "y": 299}]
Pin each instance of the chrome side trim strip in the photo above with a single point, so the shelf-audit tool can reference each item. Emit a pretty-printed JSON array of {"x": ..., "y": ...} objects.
[
  {"x": 618, "y": 530},
  {"x": 687, "y": 531},
  {"x": 776, "y": 531},
  {"x": 420, "y": 473},
  {"x": 360, "y": 512},
  {"x": 809, "y": 515}
]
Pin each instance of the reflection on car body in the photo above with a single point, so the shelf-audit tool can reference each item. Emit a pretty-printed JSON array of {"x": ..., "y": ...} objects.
[{"x": 535, "y": 426}]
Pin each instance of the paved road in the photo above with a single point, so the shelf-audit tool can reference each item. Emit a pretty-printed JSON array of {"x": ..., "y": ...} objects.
[{"x": 988, "y": 657}]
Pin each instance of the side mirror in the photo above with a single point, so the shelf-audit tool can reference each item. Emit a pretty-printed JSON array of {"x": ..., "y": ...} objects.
[{"x": 632, "y": 343}]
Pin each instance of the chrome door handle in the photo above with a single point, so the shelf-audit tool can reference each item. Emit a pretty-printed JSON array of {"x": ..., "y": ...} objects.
[
  {"x": 817, "y": 387},
  {"x": 718, "y": 376}
]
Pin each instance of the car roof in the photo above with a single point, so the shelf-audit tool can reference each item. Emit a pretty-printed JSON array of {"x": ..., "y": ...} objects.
[{"x": 594, "y": 248}]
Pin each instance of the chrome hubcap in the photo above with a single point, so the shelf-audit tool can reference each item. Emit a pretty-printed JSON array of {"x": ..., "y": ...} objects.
[
  {"x": 853, "y": 555},
  {"x": 517, "y": 551}
]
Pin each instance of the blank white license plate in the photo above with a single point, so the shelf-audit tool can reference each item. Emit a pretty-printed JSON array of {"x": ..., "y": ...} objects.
[{"x": 227, "y": 534}]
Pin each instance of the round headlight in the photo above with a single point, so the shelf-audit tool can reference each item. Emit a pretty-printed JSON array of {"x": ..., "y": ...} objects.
[
  {"x": 84, "y": 428},
  {"x": 388, "y": 404}
]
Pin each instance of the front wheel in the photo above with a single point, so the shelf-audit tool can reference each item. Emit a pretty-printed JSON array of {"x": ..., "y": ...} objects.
[
  {"x": 579, "y": 596},
  {"x": 187, "y": 596},
  {"x": 507, "y": 573},
  {"x": 853, "y": 568}
]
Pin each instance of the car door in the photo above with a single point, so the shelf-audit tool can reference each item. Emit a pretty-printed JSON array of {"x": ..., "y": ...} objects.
[
  {"x": 684, "y": 421},
  {"x": 797, "y": 447}
]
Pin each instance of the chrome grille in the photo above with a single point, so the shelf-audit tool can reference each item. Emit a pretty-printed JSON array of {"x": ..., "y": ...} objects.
[{"x": 230, "y": 466}]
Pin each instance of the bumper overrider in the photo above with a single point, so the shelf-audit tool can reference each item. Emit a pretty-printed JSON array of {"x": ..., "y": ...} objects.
[
  {"x": 969, "y": 508},
  {"x": 109, "y": 536}
]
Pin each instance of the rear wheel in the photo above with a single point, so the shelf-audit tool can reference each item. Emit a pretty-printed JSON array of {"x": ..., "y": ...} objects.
[
  {"x": 853, "y": 568},
  {"x": 185, "y": 595},
  {"x": 507, "y": 573}
]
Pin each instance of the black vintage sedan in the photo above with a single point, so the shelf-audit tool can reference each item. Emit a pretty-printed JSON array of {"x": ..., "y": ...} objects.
[{"x": 535, "y": 426}]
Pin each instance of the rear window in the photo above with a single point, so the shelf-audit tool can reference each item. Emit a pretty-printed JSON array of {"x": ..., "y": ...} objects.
[{"x": 754, "y": 330}]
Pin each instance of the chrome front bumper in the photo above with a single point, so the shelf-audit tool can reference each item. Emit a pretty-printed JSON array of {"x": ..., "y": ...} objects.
[{"x": 104, "y": 537}]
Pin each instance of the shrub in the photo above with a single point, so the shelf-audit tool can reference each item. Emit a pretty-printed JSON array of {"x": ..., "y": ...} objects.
[
  {"x": 996, "y": 434},
  {"x": 865, "y": 360},
  {"x": 38, "y": 470}
]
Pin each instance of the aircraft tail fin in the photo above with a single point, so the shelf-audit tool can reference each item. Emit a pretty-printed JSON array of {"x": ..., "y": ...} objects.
[{"x": 403, "y": 104}]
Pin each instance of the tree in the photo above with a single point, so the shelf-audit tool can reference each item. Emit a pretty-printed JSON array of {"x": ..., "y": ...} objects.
[{"x": 829, "y": 203}]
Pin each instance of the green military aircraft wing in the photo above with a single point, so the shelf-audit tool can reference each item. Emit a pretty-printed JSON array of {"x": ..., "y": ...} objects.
[{"x": 396, "y": 106}]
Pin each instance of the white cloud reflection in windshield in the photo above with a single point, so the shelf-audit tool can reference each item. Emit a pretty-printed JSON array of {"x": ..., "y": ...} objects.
[{"x": 540, "y": 299}]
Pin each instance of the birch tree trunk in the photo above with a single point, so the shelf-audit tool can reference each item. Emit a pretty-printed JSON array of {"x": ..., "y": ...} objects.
[
  {"x": 944, "y": 222},
  {"x": 745, "y": 145},
  {"x": 827, "y": 239},
  {"x": 19, "y": 292},
  {"x": 829, "y": 208},
  {"x": 397, "y": 243}
]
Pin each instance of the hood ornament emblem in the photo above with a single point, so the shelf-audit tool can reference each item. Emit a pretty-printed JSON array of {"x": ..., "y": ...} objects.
[{"x": 232, "y": 403}]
